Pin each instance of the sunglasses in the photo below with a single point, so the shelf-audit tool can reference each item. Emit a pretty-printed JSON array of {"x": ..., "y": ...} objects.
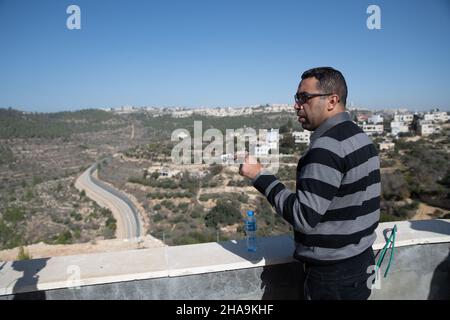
[{"x": 302, "y": 97}]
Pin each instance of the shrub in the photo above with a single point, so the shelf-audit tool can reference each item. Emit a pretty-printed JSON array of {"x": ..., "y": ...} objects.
[
  {"x": 178, "y": 219},
  {"x": 196, "y": 212},
  {"x": 385, "y": 217},
  {"x": 394, "y": 186},
  {"x": 168, "y": 204},
  {"x": 23, "y": 254},
  {"x": 183, "y": 206},
  {"x": 108, "y": 233},
  {"x": 157, "y": 217},
  {"x": 225, "y": 212},
  {"x": 445, "y": 181},
  {"x": 64, "y": 238},
  {"x": 243, "y": 198},
  {"x": 9, "y": 238},
  {"x": 215, "y": 169},
  {"x": 13, "y": 215},
  {"x": 76, "y": 216}
]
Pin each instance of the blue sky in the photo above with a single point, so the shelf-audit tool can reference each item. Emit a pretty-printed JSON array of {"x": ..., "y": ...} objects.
[{"x": 220, "y": 52}]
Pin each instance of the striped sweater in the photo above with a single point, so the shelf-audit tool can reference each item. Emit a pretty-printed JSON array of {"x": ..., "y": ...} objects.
[{"x": 336, "y": 207}]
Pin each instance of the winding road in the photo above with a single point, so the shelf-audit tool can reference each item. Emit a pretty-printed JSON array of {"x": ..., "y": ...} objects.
[{"x": 127, "y": 216}]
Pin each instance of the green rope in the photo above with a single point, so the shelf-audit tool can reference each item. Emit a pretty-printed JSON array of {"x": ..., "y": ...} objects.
[{"x": 390, "y": 242}]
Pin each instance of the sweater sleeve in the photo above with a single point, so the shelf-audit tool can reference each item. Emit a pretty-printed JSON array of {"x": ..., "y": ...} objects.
[{"x": 318, "y": 181}]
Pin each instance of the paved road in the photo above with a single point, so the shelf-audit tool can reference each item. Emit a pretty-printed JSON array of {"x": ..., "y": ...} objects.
[{"x": 128, "y": 222}]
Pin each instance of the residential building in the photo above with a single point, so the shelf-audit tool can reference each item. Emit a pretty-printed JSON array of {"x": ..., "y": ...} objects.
[
  {"x": 371, "y": 129},
  {"x": 407, "y": 118},
  {"x": 375, "y": 119},
  {"x": 436, "y": 116},
  {"x": 302, "y": 136},
  {"x": 399, "y": 127},
  {"x": 427, "y": 127}
]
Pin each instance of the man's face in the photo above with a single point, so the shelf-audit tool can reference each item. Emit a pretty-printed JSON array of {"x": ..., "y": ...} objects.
[{"x": 312, "y": 112}]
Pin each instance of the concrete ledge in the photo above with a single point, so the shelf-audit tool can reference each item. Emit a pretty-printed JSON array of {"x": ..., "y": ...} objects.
[
  {"x": 414, "y": 232},
  {"x": 167, "y": 262}
]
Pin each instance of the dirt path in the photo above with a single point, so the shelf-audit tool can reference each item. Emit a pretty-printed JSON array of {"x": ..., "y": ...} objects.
[{"x": 132, "y": 132}]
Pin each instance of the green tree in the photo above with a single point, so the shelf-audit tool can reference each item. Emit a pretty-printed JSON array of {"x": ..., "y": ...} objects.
[
  {"x": 445, "y": 181},
  {"x": 394, "y": 186},
  {"x": 226, "y": 212},
  {"x": 287, "y": 143},
  {"x": 64, "y": 238}
]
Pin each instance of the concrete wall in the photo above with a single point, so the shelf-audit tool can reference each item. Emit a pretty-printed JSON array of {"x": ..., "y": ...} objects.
[{"x": 418, "y": 272}]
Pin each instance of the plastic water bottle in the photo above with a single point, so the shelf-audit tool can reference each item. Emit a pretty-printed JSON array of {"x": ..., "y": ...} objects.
[{"x": 250, "y": 231}]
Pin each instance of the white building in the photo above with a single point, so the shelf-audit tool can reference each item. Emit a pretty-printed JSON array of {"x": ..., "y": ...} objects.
[
  {"x": 371, "y": 129},
  {"x": 427, "y": 127},
  {"x": 441, "y": 117},
  {"x": 438, "y": 117},
  {"x": 182, "y": 114},
  {"x": 407, "y": 118},
  {"x": 125, "y": 110},
  {"x": 272, "y": 138},
  {"x": 375, "y": 119},
  {"x": 302, "y": 136},
  {"x": 398, "y": 127}
]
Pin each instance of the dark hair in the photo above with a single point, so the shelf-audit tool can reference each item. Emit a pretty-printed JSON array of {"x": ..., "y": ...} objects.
[{"x": 330, "y": 81}]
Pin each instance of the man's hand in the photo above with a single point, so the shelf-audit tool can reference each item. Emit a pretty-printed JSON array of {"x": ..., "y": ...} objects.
[{"x": 250, "y": 167}]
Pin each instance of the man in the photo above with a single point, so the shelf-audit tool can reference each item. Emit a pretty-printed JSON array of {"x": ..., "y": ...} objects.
[{"x": 335, "y": 209}]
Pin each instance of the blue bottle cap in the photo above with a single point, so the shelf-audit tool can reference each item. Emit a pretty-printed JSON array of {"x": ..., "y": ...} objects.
[{"x": 250, "y": 213}]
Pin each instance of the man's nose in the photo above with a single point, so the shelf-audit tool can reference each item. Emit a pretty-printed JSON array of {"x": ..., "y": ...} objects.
[{"x": 297, "y": 106}]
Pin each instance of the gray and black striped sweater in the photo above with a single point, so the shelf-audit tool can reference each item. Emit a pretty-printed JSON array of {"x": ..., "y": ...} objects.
[{"x": 336, "y": 207}]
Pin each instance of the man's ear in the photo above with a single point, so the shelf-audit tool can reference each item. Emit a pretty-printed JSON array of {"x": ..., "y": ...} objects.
[{"x": 333, "y": 102}]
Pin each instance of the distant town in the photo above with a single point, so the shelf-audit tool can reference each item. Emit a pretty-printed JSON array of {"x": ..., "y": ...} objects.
[{"x": 387, "y": 123}]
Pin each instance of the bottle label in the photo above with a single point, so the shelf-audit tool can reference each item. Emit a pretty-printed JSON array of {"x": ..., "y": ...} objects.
[{"x": 251, "y": 226}]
